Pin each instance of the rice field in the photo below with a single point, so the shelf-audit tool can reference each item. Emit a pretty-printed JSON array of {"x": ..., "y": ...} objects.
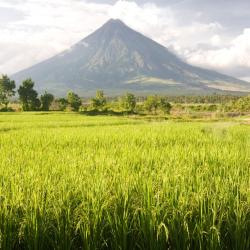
[{"x": 69, "y": 181}]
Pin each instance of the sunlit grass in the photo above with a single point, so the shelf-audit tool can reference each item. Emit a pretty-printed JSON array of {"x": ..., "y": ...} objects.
[{"x": 73, "y": 182}]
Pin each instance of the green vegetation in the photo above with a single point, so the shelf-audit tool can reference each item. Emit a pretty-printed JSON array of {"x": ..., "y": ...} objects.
[
  {"x": 128, "y": 102},
  {"x": 46, "y": 101},
  {"x": 207, "y": 99},
  {"x": 68, "y": 181},
  {"x": 217, "y": 105},
  {"x": 28, "y": 96},
  {"x": 242, "y": 105},
  {"x": 62, "y": 104},
  {"x": 153, "y": 103},
  {"x": 74, "y": 101},
  {"x": 7, "y": 90},
  {"x": 99, "y": 102}
]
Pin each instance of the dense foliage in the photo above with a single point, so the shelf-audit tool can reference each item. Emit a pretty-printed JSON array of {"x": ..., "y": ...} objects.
[
  {"x": 74, "y": 101},
  {"x": 128, "y": 102},
  {"x": 99, "y": 102},
  {"x": 76, "y": 182},
  {"x": 7, "y": 90},
  {"x": 154, "y": 103},
  {"x": 28, "y": 96},
  {"x": 46, "y": 101},
  {"x": 209, "y": 99},
  {"x": 242, "y": 105}
]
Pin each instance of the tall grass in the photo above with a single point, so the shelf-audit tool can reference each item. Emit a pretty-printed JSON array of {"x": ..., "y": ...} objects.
[{"x": 74, "y": 182}]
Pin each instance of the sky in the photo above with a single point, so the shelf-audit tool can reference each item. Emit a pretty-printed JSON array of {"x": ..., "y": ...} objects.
[{"x": 213, "y": 34}]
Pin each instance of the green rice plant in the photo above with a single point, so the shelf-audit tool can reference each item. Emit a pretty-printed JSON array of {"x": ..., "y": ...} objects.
[{"x": 68, "y": 181}]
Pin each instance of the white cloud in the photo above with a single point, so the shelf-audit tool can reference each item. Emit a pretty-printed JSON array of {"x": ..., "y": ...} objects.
[
  {"x": 216, "y": 40},
  {"x": 236, "y": 54},
  {"x": 48, "y": 27}
]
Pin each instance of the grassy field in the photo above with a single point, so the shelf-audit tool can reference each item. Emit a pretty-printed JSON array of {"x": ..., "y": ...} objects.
[{"x": 68, "y": 181}]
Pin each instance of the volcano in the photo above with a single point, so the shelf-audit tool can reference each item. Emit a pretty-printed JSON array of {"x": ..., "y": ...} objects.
[{"x": 117, "y": 59}]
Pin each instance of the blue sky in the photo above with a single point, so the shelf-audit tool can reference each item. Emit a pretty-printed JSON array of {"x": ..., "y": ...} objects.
[{"x": 211, "y": 34}]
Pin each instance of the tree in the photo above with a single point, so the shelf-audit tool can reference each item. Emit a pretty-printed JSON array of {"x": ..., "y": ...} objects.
[
  {"x": 74, "y": 101},
  {"x": 99, "y": 102},
  {"x": 46, "y": 101},
  {"x": 164, "y": 105},
  {"x": 7, "y": 87},
  {"x": 28, "y": 96},
  {"x": 151, "y": 103},
  {"x": 239, "y": 105},
  {"x": 243, "y": 104},
  {"x": 128, "y": 102},
  {"x": 62, "y": 103}
]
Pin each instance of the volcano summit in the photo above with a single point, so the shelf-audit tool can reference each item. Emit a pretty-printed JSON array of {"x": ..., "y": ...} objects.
[{"x": 115, "y": 58}]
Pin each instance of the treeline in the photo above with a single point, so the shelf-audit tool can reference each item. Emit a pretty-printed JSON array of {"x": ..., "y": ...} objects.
[
  {"x": 242, "y": 105},
  {"x": 30, "y": 101},
  {"x": 203, "y": 99},
  {"x": 125, "y": 104},
  {"x": 128, "y": 103},
  {"x": 28, "y": 97}
]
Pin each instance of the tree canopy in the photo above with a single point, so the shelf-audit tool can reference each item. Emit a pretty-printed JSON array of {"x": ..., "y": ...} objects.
[
  {"x": 128, "y": 102},
  {"x": 7, "y": 90},
  {"x": 28, "y": 96},
  {"x": 151, "y": 103},
  {"x": 46, "y": 101},
  {"x": 99, "y": 102},
  {"x": 74, "y": 101},
  {"x": 154, "y": 103}
]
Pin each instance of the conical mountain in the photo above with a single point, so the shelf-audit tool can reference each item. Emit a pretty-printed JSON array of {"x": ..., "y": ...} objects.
[{"x": 116, "y": 58}]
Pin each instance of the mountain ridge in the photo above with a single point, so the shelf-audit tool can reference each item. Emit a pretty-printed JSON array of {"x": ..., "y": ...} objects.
[{"x": 116, "y": 58}]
